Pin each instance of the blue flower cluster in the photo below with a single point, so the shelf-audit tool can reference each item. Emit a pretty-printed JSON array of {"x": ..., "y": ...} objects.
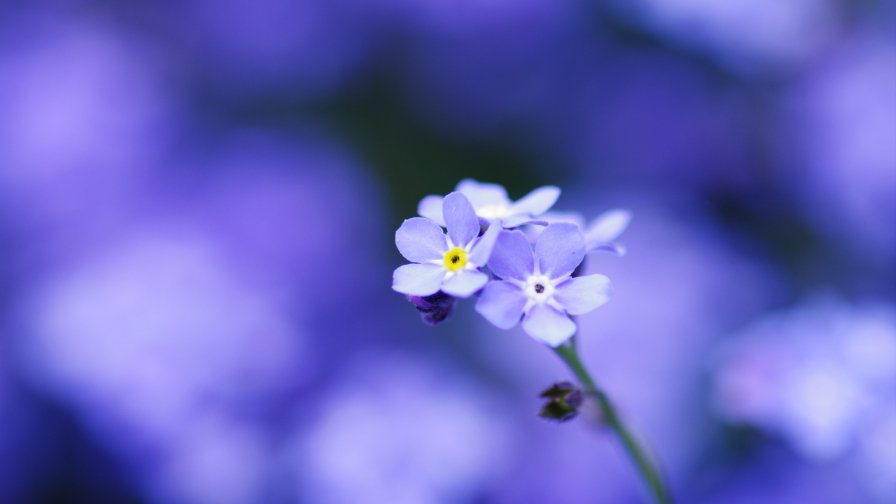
[{"x": 521, "y": 260}]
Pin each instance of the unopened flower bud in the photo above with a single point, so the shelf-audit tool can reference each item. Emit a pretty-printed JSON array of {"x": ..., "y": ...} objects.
[
  {"x": 563, "y": 402},
  {"x": 435, "y": 308}
]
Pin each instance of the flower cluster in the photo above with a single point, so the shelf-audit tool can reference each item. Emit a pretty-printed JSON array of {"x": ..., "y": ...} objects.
[{"x": 522, "y": 261}]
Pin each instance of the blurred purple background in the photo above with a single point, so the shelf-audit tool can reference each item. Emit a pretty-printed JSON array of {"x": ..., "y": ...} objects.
[{"x": 197, "y": 208}]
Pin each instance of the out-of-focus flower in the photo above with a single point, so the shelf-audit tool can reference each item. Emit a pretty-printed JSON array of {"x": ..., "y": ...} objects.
[
  {"x": 180, "y": 342},
  {"x": 404, "y": 432},
  {"x": 152, "y": 342},
  {"x": 822, "y": 376},
  {"x": 780, "y": 33},
  {"x": 85, "y": 116},
  {"x": 492, "y": 204},
  {"x": 835, "y": 139},
  {"x": 537, "y": 285},
  {"x": 259, "y": 185},
  {"x": 448, "y": 262},
  {"x": 216, "y": 459}
]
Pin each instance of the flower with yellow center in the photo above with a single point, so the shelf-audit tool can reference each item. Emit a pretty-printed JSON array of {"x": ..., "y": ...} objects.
[{"x": 450, "y": 261}]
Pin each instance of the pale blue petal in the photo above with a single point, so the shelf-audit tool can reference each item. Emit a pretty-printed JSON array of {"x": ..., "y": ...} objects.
[
  {"x": 482, "y": 251},
  {"x": 516, "y": 221},
  {"x": 512, "y": 256},
  {"x": 465, "y": 283},
  {"x": 431, "y": 208},
  {"x": 554, "y": 216},
  {"x": 608, "y": 226},
  {"x": 501, "y": 303},
  {"x": 548, "y": 325},
  {"x": 537, "y": 202},
  {"x": 559, "y": 249},
  {"x": 460, "y": 218},
  {"x": 483, "y": 194},
  {"x": 582, "y": 294},
  {"x": 418, "y": 279},
  {"x": 614, "y": 248},
  {"x": 420, "y": 240}
]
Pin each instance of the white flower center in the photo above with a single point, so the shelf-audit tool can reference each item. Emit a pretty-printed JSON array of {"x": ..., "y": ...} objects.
[
  {"x": 493, "y": 211},
  {"x": 539, "y": 289}
]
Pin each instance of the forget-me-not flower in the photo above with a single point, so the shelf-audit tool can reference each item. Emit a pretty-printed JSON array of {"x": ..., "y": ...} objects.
[
  {"x": 533, "y": 282},
  {"x": 447, "y": 262},
  {"x": 493, "y": 205},
  {"x": 537, "y": 285}
]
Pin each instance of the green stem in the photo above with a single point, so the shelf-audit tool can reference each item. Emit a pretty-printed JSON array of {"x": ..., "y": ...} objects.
[{"x": 636, "y": 453}]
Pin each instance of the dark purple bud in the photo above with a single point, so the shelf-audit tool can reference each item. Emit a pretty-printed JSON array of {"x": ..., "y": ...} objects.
[
  {"x": 435, "y": 308},
  {"x": 563, "y": 402}
]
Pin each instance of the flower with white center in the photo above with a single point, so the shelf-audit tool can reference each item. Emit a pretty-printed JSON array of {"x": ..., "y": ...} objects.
[
  {"x": 537, "y": 285},
  {"x": 491, "y": 203},
  {"x": 447, "y": 262}
]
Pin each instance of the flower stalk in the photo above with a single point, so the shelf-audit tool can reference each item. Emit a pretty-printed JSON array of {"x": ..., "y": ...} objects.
[{"x": 646, "y": 468}]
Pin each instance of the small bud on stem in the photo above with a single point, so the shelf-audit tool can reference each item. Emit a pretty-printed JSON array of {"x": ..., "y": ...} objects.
[{"x": 563, "y": 402}]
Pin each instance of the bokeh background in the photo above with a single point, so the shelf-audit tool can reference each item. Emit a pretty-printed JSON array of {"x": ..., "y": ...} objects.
[{"x": 197, "y": 207}]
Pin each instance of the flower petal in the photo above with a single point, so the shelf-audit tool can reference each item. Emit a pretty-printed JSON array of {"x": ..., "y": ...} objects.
[
  {"x": 483, "y": 194},
  {"x": 582, "y": 294},
  {"x": 614, "y": 248},
  {"x": 608, "y": 226},
  {"x": 420, "y": 240},
  {"x": 560, "y": 249},
  {"x": 512, "y": 256},
  {"x": 431, "y": 208},
  {"x": 418, "y": 279},
  {"x": 548, "y": 325},
  {"x": 460, "y": 218},
  {"x": 501, "y": 303},
  {"x": 482, "y": 251},
  {"x": 516, "y": 221},
  {"x": 554, "y": 217},
  {"x": 465, "y": 283},
  {"x": 537, "y": 202}
]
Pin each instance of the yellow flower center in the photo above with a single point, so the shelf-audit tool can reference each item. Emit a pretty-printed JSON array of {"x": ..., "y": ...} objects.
[{"x": 455, "y": 259}]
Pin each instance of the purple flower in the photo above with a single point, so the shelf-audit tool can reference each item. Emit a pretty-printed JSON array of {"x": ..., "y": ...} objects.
[
  {"x": 493, "y": 205},
  {"x": 399, "y": 430},
  {"x": 449, "y": 262},
  {"x": 820, "y": 375},
  {"x": 537, "y": 284},
  {"x": 780, "y": 33},
  {"x": 836, "y": 131}
]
